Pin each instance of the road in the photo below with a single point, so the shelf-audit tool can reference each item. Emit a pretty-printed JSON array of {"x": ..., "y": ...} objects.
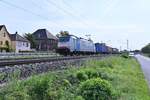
[{"x": 145, "y": 65}]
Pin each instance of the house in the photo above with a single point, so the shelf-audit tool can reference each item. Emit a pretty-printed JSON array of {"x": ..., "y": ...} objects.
[
  {"x": 19, "y": 43},
  {"x": 5, "y": 41},
  {"x": 45, "y": 41}
]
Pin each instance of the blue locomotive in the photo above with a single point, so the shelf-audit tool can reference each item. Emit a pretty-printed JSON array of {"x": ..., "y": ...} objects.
[
  {"x": 101, "y": 48},
  {"x": 71, "y": 44}
]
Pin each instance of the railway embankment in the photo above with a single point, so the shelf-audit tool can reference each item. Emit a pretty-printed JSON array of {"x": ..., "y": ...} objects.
[
  {"x": 37, "y": 66},
  {"x": 112, "y": 78}
]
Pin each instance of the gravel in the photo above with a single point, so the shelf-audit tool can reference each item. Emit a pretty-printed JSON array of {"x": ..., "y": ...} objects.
[{"x": 9, "y": 73}]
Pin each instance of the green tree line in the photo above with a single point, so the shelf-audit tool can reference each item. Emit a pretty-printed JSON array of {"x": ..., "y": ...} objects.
[{"x": 146, "y": 49}]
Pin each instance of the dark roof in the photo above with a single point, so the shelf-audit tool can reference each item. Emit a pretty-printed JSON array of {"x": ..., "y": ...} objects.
[
  {"x": 17, "y": 37},
  {"x": 44, "y": 33},
  {"x": 1, "y": 26}
]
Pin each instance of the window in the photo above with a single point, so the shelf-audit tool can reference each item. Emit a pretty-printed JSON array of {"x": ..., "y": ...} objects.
[
  {"x": 7, "y": 43},
  {"x": 27, "y": 44},
  {"x": 23, "y": 43},
  {"x": 64, "y": 39},
  {"x": 19, "y": 43},
  {"x": 1, "y": 42},
  {"x": 4, "y": 34},
  {"x": 39, "y": 35}
]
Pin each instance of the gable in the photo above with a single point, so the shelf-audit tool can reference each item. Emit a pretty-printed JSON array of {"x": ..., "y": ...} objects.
[
  {"x": 43, "y": 34},
  {"x": 17, "y": 37},
  {"x": 1, "y": 26},
  {"x": 40, "y": 34},
  {"x": 4, "y": 33}
]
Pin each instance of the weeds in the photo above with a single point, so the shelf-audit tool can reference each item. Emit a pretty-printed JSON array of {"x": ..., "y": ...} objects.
[{"x": 118, "y": 78}]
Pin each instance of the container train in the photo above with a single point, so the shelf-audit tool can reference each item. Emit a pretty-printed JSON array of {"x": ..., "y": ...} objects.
[{"x": 70, "y": 44}]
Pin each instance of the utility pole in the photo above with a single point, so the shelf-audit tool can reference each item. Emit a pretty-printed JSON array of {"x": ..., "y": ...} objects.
[
  {"x": 127, "y": 44},
  {"x": 120, "y": 48}
]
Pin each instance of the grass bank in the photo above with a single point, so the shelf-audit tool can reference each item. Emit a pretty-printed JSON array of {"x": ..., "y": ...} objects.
[{"x": 114, "y": 78}]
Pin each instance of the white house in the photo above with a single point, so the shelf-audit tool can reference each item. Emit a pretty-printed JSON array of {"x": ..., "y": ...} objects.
[{"x": 19, "y": 43}]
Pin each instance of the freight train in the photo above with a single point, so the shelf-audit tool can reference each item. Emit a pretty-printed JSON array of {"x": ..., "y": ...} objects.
[{"x": 70, "y": 44}]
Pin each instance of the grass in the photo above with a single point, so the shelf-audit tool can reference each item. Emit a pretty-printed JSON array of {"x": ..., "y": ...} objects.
[{"x": 122, "y": 74}]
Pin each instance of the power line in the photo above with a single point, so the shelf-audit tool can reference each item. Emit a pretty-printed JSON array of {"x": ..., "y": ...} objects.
[
  {"x": 65, "y": 11},
  {"x": 38, "y": 6},
  {"x": 67, "y": 4},
  {"x": 26, "y": 10}
]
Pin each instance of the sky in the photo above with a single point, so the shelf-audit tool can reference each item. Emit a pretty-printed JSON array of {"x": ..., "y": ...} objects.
[{"x": 110, "y": 21}]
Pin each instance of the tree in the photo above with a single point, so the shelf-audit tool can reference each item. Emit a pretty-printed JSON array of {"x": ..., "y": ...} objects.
[
  {"x": 146, "y": 49},
  {"x": 7, "y": 46},
  {"x": 63, "y": 33},
  {"x": 31, "y": 39}
]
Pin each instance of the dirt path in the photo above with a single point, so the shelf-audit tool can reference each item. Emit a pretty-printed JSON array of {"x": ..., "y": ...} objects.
[{"x": 145, "y": 65}]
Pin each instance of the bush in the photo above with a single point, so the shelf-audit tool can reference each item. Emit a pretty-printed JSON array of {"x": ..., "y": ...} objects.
[
  {"x": 81, "y": 75},
  {"x": 79, "y": 98},
  {"x": 73, "y": 79},
  {"x": 125, "y": 56},
  {"x": 92, "y": 73},
  {"x": 146, "y": 49},
  {"x": 17, "y": 95},
  {"x": 38, "y": 88},
  {"x": 53, "y": 94},
  {"x": 96, "y": 89},
  {"x": 66, "y": 83}
]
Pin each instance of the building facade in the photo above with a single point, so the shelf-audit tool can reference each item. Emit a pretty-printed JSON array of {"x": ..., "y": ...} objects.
[
  {"x": 5, "y": 40},
  {"x": 19, "y": 43},
  {"x": 45, "y": 41}
]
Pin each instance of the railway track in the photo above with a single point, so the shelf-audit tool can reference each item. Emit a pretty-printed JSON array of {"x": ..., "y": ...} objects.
[
  {"x": 28, "y": 67},
  {"x": 39, "y": 60}
]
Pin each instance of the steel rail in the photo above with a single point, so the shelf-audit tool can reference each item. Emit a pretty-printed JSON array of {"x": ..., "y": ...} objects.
[{"x": 39, "y": 60}]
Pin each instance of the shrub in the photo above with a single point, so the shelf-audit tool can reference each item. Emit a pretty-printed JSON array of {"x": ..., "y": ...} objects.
[
  {"x": 17, "y": 95},
  {"x": 146, "y": 49},
  {"x": 82, "y": 76},
  {"x": 37, "y": 88},
  {"x": 125, "y": 56},
  {"x": 92, "y": 73},
  {"x": 66, "y": 83},
  {"x": 73, "y": 79},
  {"x": 79, "y": 98},
  {"x": 53, "y": 94},
  {"x": 96, "y": 89}
]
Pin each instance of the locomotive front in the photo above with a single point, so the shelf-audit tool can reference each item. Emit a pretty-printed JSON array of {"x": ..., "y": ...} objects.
[{"x": 64, "y": 45}]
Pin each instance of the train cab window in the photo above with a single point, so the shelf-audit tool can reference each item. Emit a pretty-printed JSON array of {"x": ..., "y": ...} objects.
[{"x": 64, "y": 39}]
